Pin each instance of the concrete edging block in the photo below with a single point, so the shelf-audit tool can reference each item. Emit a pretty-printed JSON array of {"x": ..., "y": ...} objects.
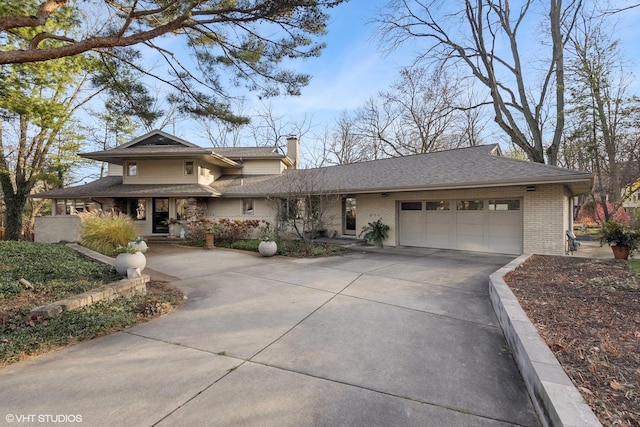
[{"x": 555, "y": 397}]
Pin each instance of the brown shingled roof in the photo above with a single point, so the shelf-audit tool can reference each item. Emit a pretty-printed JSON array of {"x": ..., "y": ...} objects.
[
  {"x": 460, "y": 168},
  {"x": 112, "y": 186}
]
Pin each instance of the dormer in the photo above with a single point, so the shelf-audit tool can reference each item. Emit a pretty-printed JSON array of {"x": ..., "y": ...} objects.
[{"x": 160, "y": 158}]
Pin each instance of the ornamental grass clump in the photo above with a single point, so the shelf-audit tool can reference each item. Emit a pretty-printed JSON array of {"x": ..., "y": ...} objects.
[{"x": 104, "y": 232}]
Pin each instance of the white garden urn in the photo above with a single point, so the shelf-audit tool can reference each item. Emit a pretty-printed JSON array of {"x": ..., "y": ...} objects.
[
  {"x": 125, "y": 261},
  {"x": 267, "y": 247}
]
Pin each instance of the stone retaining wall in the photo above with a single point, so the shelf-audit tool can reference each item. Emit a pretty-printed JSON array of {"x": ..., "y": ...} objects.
[
  {"x": 555, "y": 397},
  {"x": 110, "y": 291}
]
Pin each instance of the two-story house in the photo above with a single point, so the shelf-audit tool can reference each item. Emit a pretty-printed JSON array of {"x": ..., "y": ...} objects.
[{"x": 466, "y": 199}]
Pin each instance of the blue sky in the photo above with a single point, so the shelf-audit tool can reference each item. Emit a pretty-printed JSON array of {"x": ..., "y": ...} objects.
[
  {"x": 350, "y": 70},
  {"x": 353, "y": 68}
]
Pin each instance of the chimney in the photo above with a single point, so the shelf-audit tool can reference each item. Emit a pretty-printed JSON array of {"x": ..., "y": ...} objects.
[{"x": 293, "y": 150}]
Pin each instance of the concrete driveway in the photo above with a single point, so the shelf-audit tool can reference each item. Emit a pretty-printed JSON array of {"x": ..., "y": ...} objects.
[{"x": 376, "y": 338}]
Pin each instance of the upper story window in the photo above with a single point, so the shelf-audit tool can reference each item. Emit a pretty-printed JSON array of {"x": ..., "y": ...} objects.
[
  {"x": 189, "y": 167},
  {"x": 132, "y": 168}
]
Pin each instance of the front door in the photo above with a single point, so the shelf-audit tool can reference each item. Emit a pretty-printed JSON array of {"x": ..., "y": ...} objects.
[
  {"x": 160, "y": 215},
  {"x": 349, "y": 219}
]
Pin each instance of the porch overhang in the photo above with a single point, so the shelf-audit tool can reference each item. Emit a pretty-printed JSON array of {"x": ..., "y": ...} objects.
[{"x": 113, "y": 187}]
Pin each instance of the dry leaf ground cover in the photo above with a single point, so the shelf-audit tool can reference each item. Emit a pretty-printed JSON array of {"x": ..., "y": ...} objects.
[{"x": 588, "y": 312}]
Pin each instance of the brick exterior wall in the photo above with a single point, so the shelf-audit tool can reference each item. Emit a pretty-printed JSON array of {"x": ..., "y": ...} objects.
[{"x": 546, "y": 218}]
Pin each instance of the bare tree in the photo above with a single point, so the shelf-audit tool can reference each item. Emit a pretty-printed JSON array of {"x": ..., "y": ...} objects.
[
  {"x": 471, "y": 35},
  {"x": 303, "y": 203},
  {"x": 271, "y": 130},
  {"x": 422, "y": 112},
  {"x": 346, "y": 145},
  {"x": 605, "y": 118},
  {"x": 472, "y": 123}
]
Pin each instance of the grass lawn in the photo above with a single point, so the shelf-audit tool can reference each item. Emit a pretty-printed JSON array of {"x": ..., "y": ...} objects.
[
  {"x": 56, "y": 272},
  {"x": 634, "y": 264}
]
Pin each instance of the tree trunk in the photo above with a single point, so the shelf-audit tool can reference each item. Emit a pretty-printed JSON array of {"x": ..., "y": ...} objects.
[{"x": 15, "y": 203}]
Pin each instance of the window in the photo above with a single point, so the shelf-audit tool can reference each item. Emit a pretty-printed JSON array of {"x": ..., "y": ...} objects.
[
  {"x": 60, "y": 207},
  {"x": 247, "y": 206},
  {"x": 132, "y": 168},
  {"x": 71, "y": 207},
  {"x": 504, "y": 205},
  {"x": 470, "y": 205},
  {"x": 289, "y": 209},
  {"x": 442, "y": 205},
  {"x": 181, "y": 209},
  {"x": 138, "y": 209},
  {"x": 313, "y": 207},
  {"x": 188, "y": 168},
  {"x": 411, "y": 206}
]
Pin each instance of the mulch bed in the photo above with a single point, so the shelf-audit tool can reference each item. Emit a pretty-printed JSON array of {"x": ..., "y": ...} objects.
[{"x": 588, "y": 312}]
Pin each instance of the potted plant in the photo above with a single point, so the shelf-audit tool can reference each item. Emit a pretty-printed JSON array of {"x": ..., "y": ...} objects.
[
  {"x": 267, "y": 247},
  {"x": 129, "y": 257},
  {"x": 375, "y": 232},
  {"x": 209, "y": 235},
  {"x": 171, "y": 222},
  {"x": 622, "y": 239},
  {"x": 139, "y": 243}
]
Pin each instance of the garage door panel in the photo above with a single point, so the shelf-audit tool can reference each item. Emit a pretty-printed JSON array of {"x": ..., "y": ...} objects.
[
  {"x": 505, "y": 232},
  {"x": 474, "y": 218},
  {"x": 471, "y": 243},
  {"x": 470, "y": 230},
  {"x": 484, "y": 225},
  {"x": 439, "y": 229},
  {"x": 412, "y": 232}
]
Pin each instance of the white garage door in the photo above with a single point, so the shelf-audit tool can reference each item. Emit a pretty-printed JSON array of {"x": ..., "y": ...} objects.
[{"x": 473, "y": 225}]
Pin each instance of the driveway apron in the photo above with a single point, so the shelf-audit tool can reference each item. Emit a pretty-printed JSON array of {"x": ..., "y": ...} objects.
[{"x": 364, "y": 338}]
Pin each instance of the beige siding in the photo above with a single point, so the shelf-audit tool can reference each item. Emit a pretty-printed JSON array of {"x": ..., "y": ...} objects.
[
  {"x": 258, "y": 167},
  {"x": 161, "y": 172},
  {"x": 332, "y": 217},
  {"x": 232, "y": 208},
  {"x": 114, "y": 170},
  {"x": 370, "y": 207},
  {"x": 145, "y": 226},
  {"x": 207, "y": 173}
]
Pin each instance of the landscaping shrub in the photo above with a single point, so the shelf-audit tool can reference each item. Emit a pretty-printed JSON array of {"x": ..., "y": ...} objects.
[
  {"x": 225, "y": 229},
  {"x": 236, "y": 229},
  {"x": 592, "y": 214},
  {"x": 103, "y": 233}
]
